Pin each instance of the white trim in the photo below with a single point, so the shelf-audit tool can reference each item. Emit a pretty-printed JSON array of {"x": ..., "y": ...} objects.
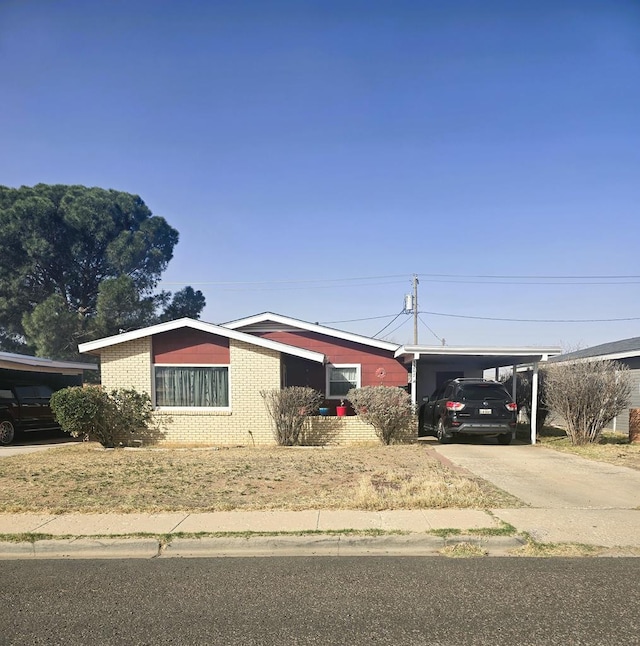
[
  {"x": 91, "y": 347},
  {"x": 296, "y": 324},
  {"x": 329, "y": 366},
  {"x": 10, "y": 358},
  {"x": 415, "y": 351}
]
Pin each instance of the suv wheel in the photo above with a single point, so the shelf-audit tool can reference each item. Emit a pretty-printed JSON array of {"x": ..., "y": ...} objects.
[
  {"x": 7, "y": 432},
  {"x": 443, "y": 436},
  {"x": 504, "y": 439}
]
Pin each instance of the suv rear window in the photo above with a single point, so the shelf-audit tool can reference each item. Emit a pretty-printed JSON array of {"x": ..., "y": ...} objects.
[{"x": 471, "y": 392}]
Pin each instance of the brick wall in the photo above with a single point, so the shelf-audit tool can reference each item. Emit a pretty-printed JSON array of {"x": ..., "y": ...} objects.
[
  {"x": 252, "y": 369},
  {"x": 127, "y": 365}
]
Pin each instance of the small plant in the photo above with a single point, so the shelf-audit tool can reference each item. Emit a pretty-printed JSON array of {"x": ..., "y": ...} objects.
[
  {"x": 387, "y": 408},
  {"x": 93, "y": 413},
  {"x": 289, "y": 408}
]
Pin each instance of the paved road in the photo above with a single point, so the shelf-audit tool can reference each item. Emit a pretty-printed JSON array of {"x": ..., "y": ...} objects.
[
  {"x": 366, "y": 600},
  {"x": 549, "y": 479}
]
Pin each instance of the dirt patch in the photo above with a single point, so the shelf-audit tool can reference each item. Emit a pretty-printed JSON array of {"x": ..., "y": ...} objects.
[{"x": 88, "y": 479}]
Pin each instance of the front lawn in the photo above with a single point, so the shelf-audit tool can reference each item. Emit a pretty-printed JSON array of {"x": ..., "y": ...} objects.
[
  {"x": 88, "y": 479},
  {"x": 613, "y": 447}
]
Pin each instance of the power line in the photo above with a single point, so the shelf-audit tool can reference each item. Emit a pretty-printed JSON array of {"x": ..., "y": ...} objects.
[
  {"x": 389, "y": 323},
  {"x": 522, "y": 276},
  {"x": 428, "y": 328},
  {"x": 369, "y": 318},
  {"x": 512, "y": 320},
  {"x": 395, "y": 329}
]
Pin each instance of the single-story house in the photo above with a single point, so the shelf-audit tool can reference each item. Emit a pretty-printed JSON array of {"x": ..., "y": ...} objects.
[
  {"x": 207, "y": 378},
  {"x": 627, "y": 352}
]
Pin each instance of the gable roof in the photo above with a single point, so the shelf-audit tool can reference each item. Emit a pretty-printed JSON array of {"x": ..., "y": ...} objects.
[
  {"x": 269, "y": 322},
  {"x": 624, "y": 349},
  {"x": 92, "y": 347}
]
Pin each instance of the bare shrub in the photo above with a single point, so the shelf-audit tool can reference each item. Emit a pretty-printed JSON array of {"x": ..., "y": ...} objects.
[
  {"x": 588, "y": 395},
  {"x": 524, "y": 394},
  {"x": 387, "y": 408},
  {"x": 289, "y": 408}
]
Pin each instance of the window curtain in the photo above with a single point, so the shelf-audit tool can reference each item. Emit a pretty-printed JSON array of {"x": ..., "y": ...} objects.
[
  {"x": 205, "y": 387},
  {"x": 342, "y": 380}
]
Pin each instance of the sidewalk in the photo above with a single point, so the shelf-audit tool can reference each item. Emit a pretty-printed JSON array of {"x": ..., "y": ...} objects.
[{"x": 310, "y": 532}]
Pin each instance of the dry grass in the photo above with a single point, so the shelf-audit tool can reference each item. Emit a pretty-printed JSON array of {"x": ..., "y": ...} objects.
[
  {"x": 88, "y": 479},
  {"x": 613, "y": 448},
  {"x": 463, "y": 550}
]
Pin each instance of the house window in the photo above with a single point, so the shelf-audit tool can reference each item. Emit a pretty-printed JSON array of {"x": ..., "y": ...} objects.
[
  {"x": 341, "y": 378},
  {"x": 192, "y": 386}
]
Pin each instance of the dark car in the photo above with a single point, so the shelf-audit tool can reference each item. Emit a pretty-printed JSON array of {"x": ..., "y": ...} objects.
[
  {"x": 25, "y": 408},
  {"x": 469, "y": 406}
]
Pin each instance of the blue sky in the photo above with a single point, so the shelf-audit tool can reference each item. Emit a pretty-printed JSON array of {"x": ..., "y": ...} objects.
[{"x": 298, "y": 146}]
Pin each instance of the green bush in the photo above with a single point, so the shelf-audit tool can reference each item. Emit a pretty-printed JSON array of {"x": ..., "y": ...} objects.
[
  {"x": 94, "y": 414},
  {"x": 387, "y": 408},
  {"x": 289, "y": 408}
]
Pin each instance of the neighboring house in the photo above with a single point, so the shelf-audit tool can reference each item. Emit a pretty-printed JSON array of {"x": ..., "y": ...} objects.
[
  {"x": 207, "y": 378},
  {"x": 627, "y": 352}
]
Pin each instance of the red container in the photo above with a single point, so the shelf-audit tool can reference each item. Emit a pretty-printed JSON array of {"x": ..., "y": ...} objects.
[{"x": 341, "y": 411}]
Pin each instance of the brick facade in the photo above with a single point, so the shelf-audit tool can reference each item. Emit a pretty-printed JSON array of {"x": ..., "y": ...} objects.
[{"x": 247, "y": 423}]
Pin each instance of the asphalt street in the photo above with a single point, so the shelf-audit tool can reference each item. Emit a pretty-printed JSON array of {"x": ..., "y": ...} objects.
[{"x": 365, "y": 600}]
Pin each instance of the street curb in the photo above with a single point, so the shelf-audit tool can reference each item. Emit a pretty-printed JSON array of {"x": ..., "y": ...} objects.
[{"x": 254, "y": 546}]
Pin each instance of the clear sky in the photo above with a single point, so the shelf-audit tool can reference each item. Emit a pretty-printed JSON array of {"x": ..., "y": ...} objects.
[{"x": 314, "y": 155}]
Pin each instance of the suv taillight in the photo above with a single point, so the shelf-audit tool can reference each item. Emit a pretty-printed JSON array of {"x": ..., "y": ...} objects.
[
  {"x": 512, "y": 406},
  {"x": 454, "y": 405}
]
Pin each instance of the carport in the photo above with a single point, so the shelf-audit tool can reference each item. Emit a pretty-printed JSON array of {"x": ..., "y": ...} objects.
[
  {"x": 19, "y": 369},
  {"x": 430, "y": 366}
]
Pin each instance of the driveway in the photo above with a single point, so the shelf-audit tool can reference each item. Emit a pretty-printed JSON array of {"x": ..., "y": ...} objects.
[
  {"x": 570, "y": 499},
  {"x": 32, "y": 446},
  {"x": 545, "y": 478}
]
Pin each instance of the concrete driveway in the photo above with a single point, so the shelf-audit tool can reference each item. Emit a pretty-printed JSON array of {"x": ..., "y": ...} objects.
[
  {"x": 22, "y": 446},
  {"x": 570, "y": 499},
  {"x": 546, "y": 478}
]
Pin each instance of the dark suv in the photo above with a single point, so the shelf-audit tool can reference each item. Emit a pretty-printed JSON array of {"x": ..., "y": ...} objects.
[
  {"x": 469, "y": 406},
  {"x": 25, "y": 408}
]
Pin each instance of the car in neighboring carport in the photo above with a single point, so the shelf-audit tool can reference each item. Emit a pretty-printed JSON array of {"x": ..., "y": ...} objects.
[
  {"x": 25, "y": 408},
  {"x": 478, "y": 407}
]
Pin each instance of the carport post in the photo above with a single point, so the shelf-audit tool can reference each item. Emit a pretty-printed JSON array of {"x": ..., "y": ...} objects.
[
  {"x": 414, "y": 381},
  {"x": 534, "y": 403},
  {"x": 514, "y": 379}
]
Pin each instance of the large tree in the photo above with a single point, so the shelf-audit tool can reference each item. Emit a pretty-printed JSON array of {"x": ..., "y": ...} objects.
[{"x": 78, "y": 263}]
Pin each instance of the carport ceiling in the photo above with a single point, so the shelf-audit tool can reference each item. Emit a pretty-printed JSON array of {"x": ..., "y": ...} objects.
[{"x": 474, "y": 358}]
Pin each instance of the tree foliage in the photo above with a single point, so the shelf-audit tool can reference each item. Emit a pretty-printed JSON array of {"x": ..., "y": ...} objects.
[
  {"x": 79, "y": 263},
  {"x": 289, "y": 408},
  {"x": 587, "y": 395},
  {"x": 92, "y": 413},
  {"x": 387, "y": 408}
]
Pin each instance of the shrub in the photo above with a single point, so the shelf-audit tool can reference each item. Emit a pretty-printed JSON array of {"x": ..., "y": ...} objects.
[
  {"x": 289, "y": 408},
  {"x": 524, "y": 392},
  {"x": 387, "y": 408},
  {"x": 588, "y": 395},
  {"x": 94, "y": 414}
]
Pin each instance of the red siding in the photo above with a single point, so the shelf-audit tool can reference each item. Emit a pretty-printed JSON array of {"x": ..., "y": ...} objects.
[
  {"x": 339, "y": 351},
  {"x": 187, "y": 346}
]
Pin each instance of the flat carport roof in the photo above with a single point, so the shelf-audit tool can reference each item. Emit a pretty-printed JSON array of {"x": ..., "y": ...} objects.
[{"x": 477, "y": 358}]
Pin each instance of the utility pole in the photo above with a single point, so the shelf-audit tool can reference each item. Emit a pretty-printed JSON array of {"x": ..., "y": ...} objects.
[{"x": 415, "y": 309}]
